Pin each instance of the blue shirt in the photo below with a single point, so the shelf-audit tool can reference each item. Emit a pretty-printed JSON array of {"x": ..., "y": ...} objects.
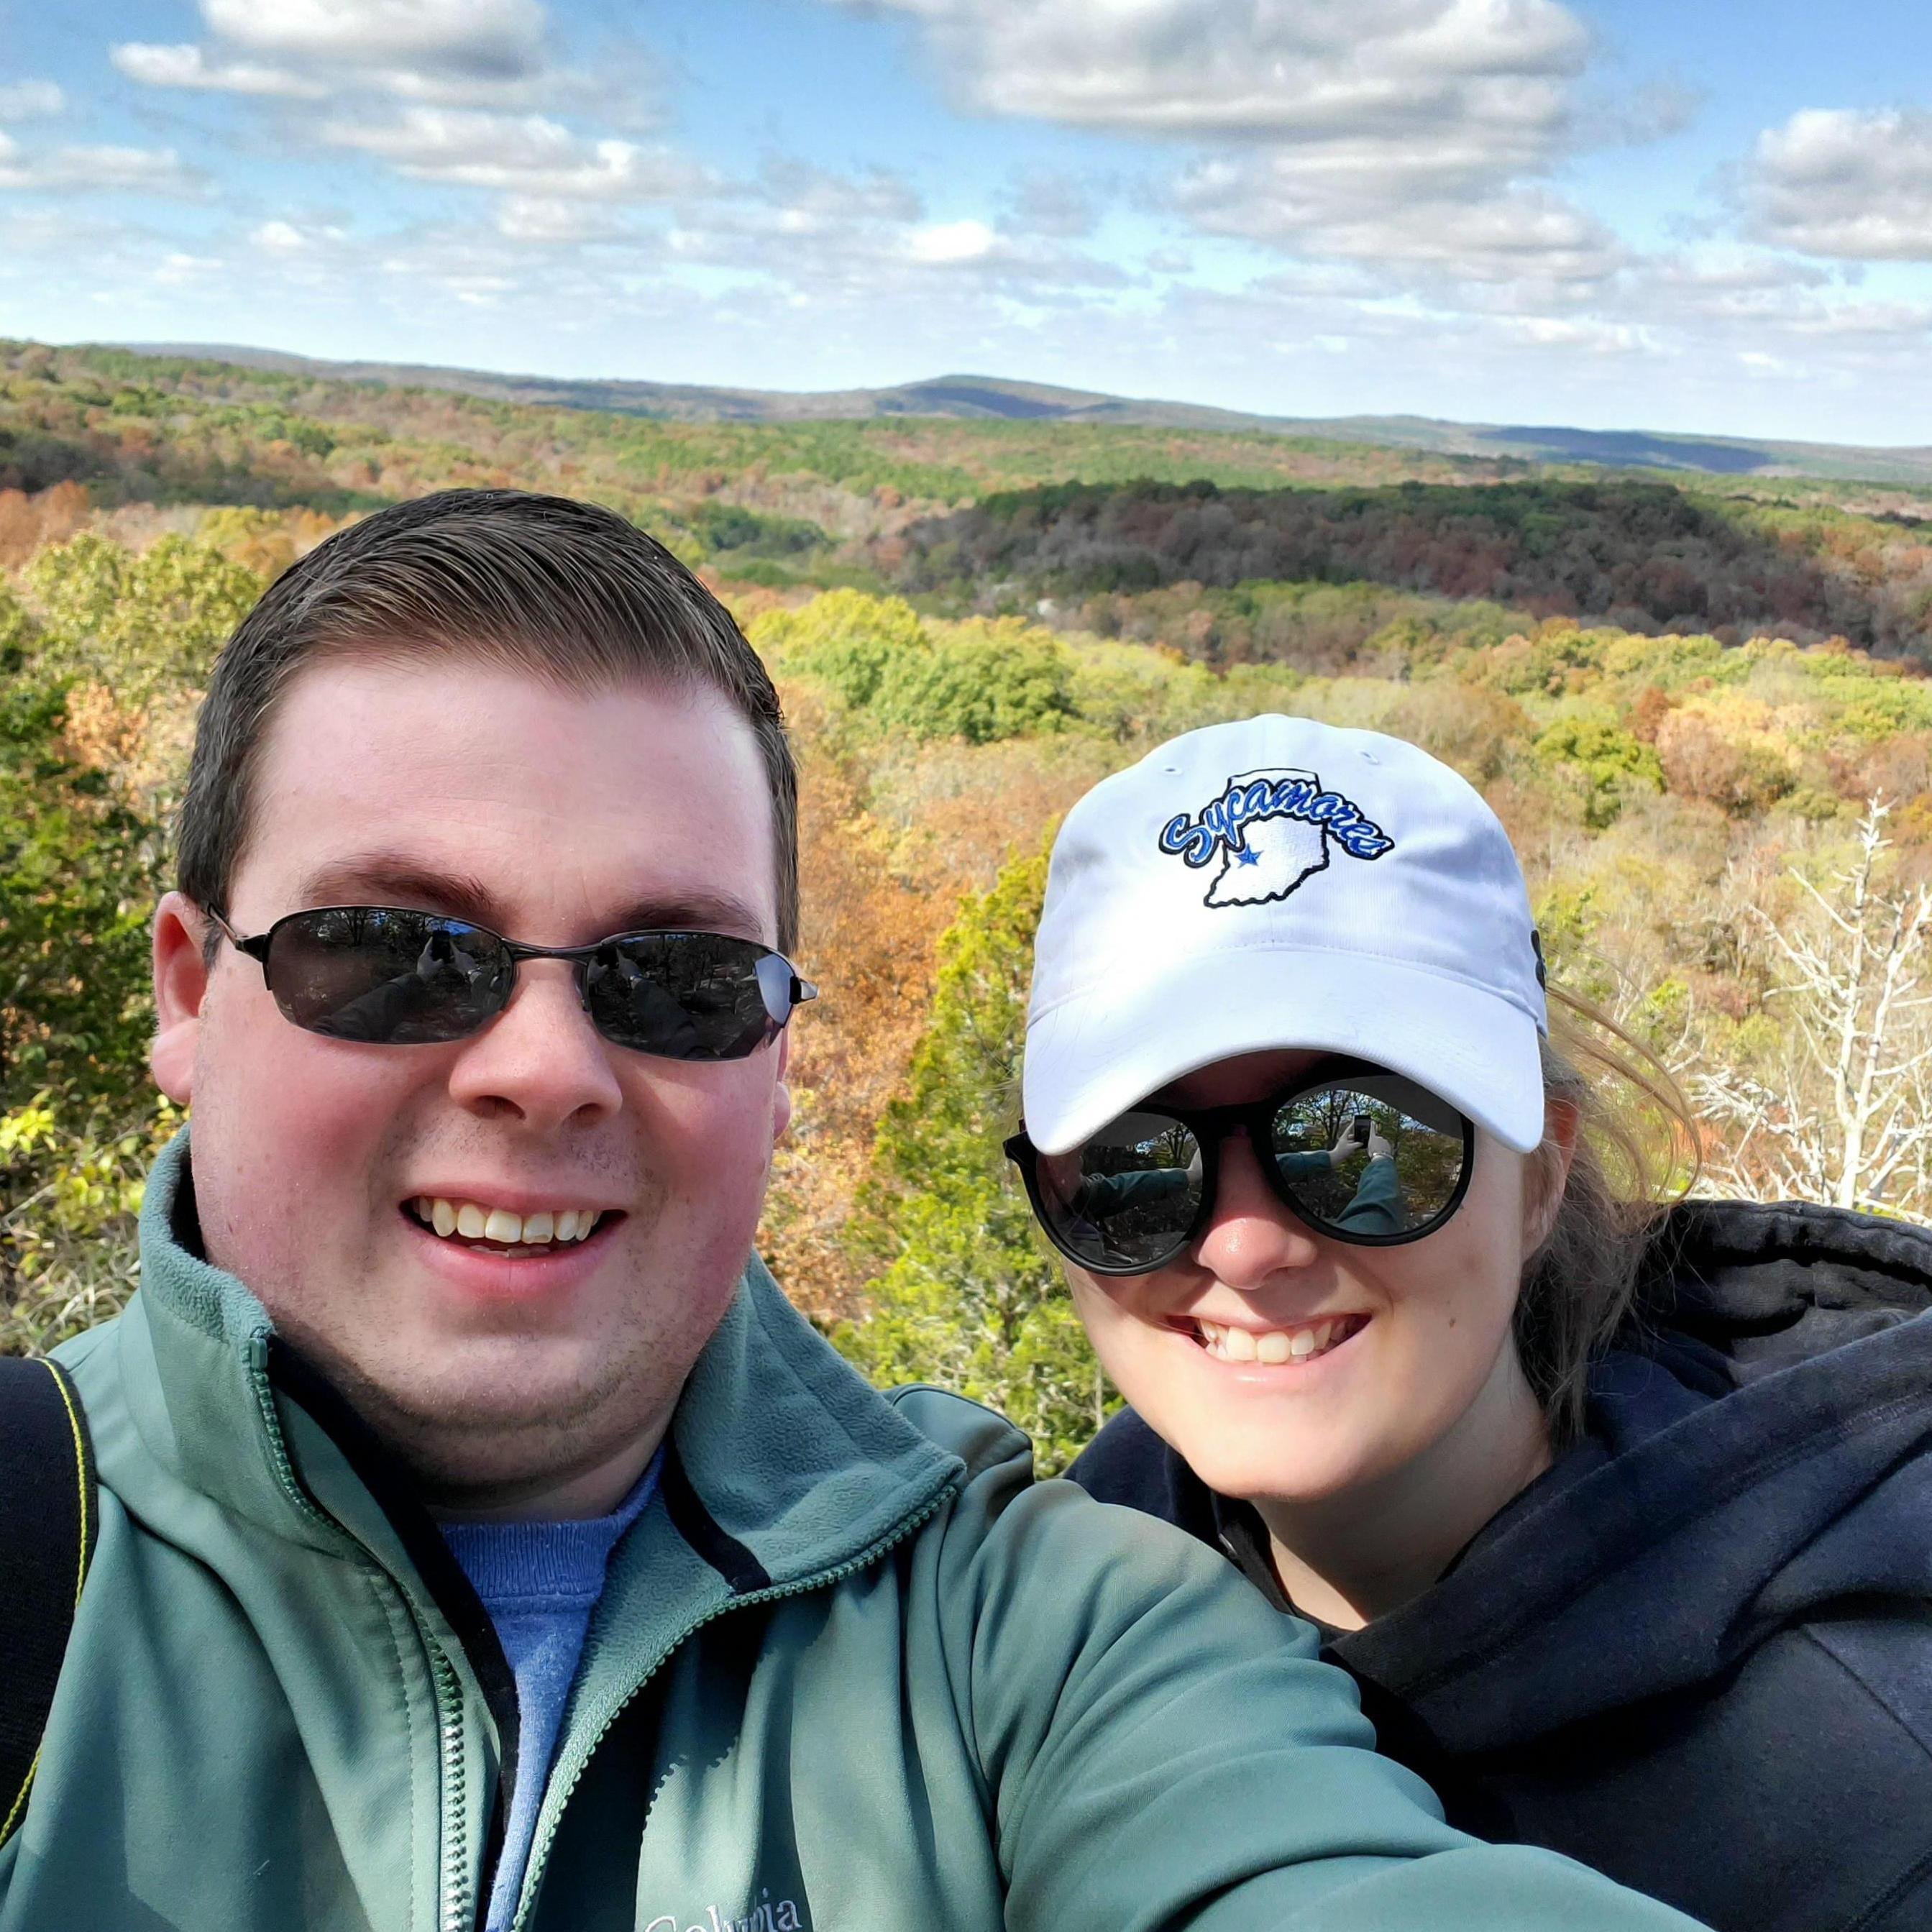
[{"x": 539, "y": 1581}]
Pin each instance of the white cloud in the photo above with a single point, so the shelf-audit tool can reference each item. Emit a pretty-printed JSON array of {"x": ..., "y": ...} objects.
[
  {"x": 951, "y": 241},
  {"x": 1269, "y": 69},
  {"x": 189, "y": 66},
  {"x": 812, "y": 200},
  {"x": 471, "y": 73},
  {"x": 550, "y": 221},
  {"x": 1419, "y": 134},
  {"x": 1348, "y": 201},
  {"x": 96, "y": 170},
  {"x": 496, "y": 38},
  {"x": 1872, "y": 322},
  {"x": 527, "y": 153},
  {"x": 1050, "y": 204},
  {"x": 29, "y": 100},
  {"x": 1856, "y": 185},
  {"x": 283, "y": 237},
  {"x": 1583, "y": 334},
  {"x": 1726, "y": 274},
  {"x": 819, "y": 237},
  {"x": 179, "y": 269},
  {"x": 463, "y": 53},
  {"x": 1652, "y": 111}
]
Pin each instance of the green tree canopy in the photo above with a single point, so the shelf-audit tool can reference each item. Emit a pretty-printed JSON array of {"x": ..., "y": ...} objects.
[
  {"x": 978, "y": 681},
  {"x": 967, "y": 1297},
  {"x": 77, "y": 879},
  {"x": 1602, "y": 759},
  {"x": 139, "y": 621}
]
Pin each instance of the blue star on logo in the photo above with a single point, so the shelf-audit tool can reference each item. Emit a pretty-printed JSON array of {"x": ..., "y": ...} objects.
[{"x": 1248, "y": 856}]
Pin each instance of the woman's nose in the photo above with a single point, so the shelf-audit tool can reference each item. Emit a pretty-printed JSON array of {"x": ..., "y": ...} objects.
[{"x": 1251, "y": 1235}]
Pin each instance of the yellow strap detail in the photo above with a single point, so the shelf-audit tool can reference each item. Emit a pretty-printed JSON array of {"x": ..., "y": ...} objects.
[
  {"x": 79, "y": 1478},
  {"x": 19, "y": 1804}
]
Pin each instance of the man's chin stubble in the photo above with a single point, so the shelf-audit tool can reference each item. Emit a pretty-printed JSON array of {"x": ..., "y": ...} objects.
[{"x": 458, "y": 1433}]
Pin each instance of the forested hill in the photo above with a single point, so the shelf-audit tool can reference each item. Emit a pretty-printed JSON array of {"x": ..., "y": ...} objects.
[
  {"x": 982, "y": 398},
  {"x": 1643, "y": 555}
]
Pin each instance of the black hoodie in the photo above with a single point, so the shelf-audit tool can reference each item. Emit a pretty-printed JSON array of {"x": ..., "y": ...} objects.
[{"x": 1696, "y": 1653}]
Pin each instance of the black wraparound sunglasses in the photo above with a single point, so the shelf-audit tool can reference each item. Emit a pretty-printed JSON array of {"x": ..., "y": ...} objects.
[
  {"x": 1354, "y": 1152},
  {"x": 391, "y": 976}
]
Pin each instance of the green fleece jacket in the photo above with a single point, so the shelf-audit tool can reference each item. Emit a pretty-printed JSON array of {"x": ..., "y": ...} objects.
[{"x": 853, "y": 1672}]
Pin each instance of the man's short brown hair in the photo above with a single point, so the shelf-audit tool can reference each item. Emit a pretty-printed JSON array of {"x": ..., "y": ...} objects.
[{"x": 564, "y": 590}]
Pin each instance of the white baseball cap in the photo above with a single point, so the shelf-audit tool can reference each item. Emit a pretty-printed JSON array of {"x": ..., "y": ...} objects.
[{"x": 1277, "y": 883}]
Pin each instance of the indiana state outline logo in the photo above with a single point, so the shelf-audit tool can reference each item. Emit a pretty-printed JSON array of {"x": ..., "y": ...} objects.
[{"x": 1271, "y": 829}]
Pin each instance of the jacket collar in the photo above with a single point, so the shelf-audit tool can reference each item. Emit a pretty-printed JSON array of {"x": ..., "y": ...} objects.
[{"x": 789, "y": 1456}]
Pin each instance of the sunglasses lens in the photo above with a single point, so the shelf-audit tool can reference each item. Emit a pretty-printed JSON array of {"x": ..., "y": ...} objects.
[
  {"x": 688, "y": 995},
  {"x": 1125, "y": 1200},
  {"x": 387, "y": 977},
  {"x": 1400, "y": 1169}
]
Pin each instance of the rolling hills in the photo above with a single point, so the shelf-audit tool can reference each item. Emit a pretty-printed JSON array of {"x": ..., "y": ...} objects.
[{"x": 973, "y": 397}]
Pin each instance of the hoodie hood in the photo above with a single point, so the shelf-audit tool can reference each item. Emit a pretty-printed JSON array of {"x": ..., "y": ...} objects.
[{"x": 1760, "y": 1448}]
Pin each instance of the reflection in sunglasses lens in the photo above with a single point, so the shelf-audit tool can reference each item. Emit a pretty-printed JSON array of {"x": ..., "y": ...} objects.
[
  {"x": 1127, "y": 1198},
  {"x": 392, "y": 977},
  {"x": 684, "y": 995},
  {"x": 1374, "y": 1154}
]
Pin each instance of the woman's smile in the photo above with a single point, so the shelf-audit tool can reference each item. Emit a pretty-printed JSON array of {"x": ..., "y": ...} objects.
[{"x": 1245, "y": 1344}]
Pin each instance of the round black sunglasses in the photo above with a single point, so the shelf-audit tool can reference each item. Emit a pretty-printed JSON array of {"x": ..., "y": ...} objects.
[
  {"x": 1354, "y": 1152},
  {"x": 388, "y": 976}
]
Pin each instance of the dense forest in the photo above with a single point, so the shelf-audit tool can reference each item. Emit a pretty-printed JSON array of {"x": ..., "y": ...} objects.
[
  {"x": 1723, "y": 797},
  {"x": 1647, "y": 556}
]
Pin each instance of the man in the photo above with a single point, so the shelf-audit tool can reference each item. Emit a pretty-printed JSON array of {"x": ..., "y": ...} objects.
[{"x": 484, "y": 1542}]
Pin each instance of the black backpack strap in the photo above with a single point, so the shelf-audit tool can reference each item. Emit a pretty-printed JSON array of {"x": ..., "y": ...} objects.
[{"x": 49, "y": 1512}]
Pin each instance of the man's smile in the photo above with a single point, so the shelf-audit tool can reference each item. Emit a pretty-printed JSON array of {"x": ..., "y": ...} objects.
[{"x": 534, "y": 1230}]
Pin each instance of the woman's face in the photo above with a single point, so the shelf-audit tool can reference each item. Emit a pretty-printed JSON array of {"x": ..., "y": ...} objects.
[{"x": 1414, "y": 1344}]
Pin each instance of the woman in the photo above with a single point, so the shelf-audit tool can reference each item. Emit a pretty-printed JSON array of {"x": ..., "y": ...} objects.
[{"x": 1622, "y": 1520}]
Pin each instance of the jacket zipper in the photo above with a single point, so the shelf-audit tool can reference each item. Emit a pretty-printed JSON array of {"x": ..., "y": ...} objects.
[
  {"x": 454, "y": 1877},
  {"x": 539, "y": 1857},
  {"x": 455, "y": 1912}
]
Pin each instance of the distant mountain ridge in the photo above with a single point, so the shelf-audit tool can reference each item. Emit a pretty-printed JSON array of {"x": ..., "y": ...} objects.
[{"x": 984, "y": 398}]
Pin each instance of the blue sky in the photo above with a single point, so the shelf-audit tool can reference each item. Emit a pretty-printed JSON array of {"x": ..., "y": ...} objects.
[{"x": 1715, "y": 217}]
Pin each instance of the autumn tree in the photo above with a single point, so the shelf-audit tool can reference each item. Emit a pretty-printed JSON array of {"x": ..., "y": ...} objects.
[
  {"x": 966, "y": 1296},
  {"x": 142, "y": 622},
  {"x": 78, "y": 1119},
  {"x": 1841, "y": 1109},
  {"x": 977, "y": 681}
]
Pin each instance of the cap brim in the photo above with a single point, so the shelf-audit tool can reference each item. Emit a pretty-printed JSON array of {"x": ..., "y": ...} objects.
[{"x": 1090, "y": 1058}]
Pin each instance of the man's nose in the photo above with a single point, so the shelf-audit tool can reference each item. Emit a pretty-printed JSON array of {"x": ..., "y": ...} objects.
[
  {"x": 1251, "y": 1235},
  {"x": 540, "y": 1059}
]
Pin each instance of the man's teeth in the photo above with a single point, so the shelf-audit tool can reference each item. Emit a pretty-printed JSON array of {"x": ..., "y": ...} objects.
[
  {"x": 1275, "y": 1346},
  {"x": 475, "y": 1222}
]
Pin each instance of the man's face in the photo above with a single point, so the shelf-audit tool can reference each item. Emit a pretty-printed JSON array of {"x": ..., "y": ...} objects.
[{"x": 553, "y": 817}]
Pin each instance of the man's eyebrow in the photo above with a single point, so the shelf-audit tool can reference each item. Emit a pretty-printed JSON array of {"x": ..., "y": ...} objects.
[
  {"x": 695, "y": 912},
  {"x": 382, "y": 878},
  {"x": 390, "y": 879}
]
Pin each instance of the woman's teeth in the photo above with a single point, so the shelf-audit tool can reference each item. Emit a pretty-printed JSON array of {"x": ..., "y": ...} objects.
[
  {"x": 519, "y": 1234},
  {"x": 1274, "y": 1346}
]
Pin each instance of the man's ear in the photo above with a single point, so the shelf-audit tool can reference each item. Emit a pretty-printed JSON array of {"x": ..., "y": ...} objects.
[
  {"x": 181, "y": 985},
  {"x": 1549, "y": 1171},
  {"x": 781, "y": 1089}
]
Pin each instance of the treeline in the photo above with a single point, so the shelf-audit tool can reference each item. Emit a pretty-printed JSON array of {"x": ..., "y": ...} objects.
[
  {"x": 1643, "y": 555},
  {"x": 168, "y": 429}
]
